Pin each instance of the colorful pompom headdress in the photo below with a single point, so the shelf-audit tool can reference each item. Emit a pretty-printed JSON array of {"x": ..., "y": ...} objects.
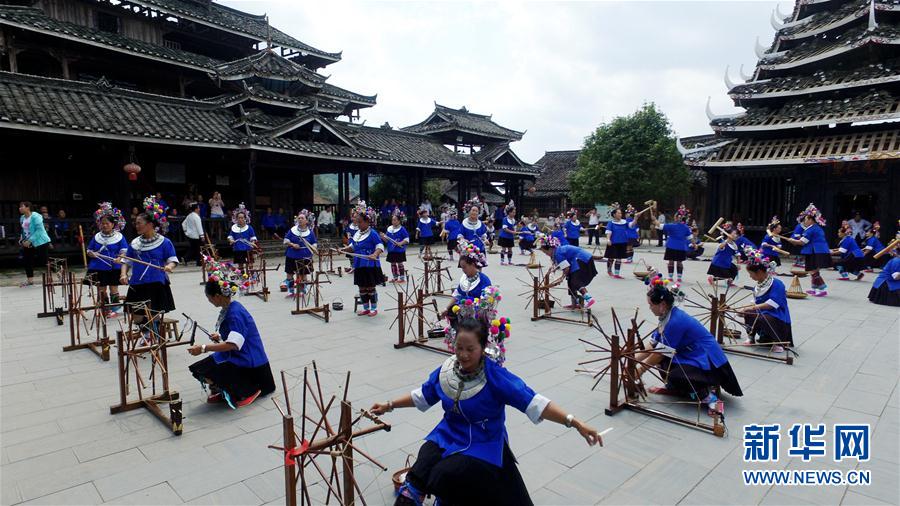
[
  {"x": 107, "y": 209},
  {"x": 309, "y": 215},
  {"x": 659, "y": 283},
  {"x": 683, "y": 213},
  {"x": 510, "y": 207},
  {"x": 547, "y": 241},
  {"x": 452, "y": 212},
  {"x": 473, "y": 202},
  {"x": 472, "y": 252},
  {"x": 483, "y": 308},
  {"x": 813, "y": 212},
  {"x": 155, "y": 209},
  {"x": 401, "y": 216},
  {"x": 630, "y": 210},
  {"x": 774, "y": 222},
  {"x": 757, "y": 257},
  {"x": 240, "y": 209},
  {"x": 229, "y": 277},
  {"x": 370, "y": 213}
]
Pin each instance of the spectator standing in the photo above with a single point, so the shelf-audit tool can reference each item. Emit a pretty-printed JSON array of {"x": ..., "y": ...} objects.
[
  {"x": 660, "y": 223},
  {"x": 326, "y": 221},
  {"x": 193, "y": 230},
  {"x": 34, "y": 240},
  {"x": 859, "y": 227},
  {"x": 593, "y": 221}
]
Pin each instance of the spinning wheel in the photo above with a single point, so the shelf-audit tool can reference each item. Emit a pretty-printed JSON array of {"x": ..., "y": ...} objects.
[
  {"x": 308, "y": 297},
  {"x": 543, "y": 302},
  {"x": 320, "y": 462},
  {"x": 56, "y": 275},
  {"x": 433, "y": 277},
  {"x": 716, "y": 310},
  {"x": 624, "y": 357},
  {"x": 87, "y": 319},
  {"x": 411, "y": 318},
  {"x": 256, "y": 269}
]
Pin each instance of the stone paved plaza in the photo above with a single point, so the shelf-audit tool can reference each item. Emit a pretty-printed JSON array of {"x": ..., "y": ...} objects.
[{"x": 60, "y": 445}]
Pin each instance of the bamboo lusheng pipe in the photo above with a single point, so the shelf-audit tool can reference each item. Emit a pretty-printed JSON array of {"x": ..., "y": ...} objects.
[
  {"x": 891, "y": 246},
  {"x": 715, "y": 226}
]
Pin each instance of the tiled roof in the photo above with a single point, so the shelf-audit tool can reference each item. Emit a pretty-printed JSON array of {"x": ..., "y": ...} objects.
[
  {"x": 820, "y": 81},
  {"x": 447, "y": 119},
  {"x": 827, "y": 20},
  {"x": 269, "y": 65},
  {"x": 251, "y": 25},
  {"x": 32, "y": 19},
  {"x": 871, "y": 105},
  {"x": 821, "y": 48},
  {"x": 100, "y": 110},
  {"x": 334, "y": 91},
  {"x": 555, "y": 168}
]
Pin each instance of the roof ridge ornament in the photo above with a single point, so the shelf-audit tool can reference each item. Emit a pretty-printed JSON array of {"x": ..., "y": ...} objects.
[
  {"x": 872, "y": 24},
  {"x": 760, "y": 49},
  {"x": 777, "y": 24},
  {"x": 103, "y": 83},
  {"x": 747, "y": 78},
  {"x": 728, "y": 83},
  {"x": 712, "y": 116},
  {"x": 778, "y": 12}
]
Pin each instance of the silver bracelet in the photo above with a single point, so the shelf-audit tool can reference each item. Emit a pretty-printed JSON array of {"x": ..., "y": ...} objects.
[
  {"x": 569, "y": 419},
  {"x": 390, "y": 406}
]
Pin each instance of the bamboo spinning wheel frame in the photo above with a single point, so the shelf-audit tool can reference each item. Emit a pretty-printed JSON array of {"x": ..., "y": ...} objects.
[
  {"x": 87, "y": 319},
  {"x": 433, "y": 276},
  {"x": 413, "y": 324},
  {"x": 715, "y": 310},
  {"x": 55, "y": 276},
  {"x": 310, "y": 299},
  {"x": 619, "y": 362},
  {"x": 321, "y": 459},
  {"x": 540, "y": 297},
  {"x": 256, "y": 269}
]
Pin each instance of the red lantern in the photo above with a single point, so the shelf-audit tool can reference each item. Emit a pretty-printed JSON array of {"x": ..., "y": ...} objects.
[{"x": 132, "y": 169}]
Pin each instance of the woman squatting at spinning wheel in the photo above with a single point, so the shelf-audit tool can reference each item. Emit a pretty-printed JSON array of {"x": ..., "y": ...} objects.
[
  {"x": 238, "y": 370},
  {"x": 466, "y": 459},
  {"x": 578, "y": 269},
  {"x": 768, "y": 319},
  {"x": 698, "y": 364}
]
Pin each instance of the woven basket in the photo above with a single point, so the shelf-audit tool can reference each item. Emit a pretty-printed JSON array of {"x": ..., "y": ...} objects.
[{"x": 799, "y": 272}]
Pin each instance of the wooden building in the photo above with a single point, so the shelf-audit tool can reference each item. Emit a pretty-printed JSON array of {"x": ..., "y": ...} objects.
[
  {"x": 204, "y": 95},
  {"x": 820, "y": 121}
]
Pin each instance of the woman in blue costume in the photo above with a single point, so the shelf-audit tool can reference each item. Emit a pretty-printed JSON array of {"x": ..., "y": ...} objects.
[
  {"x": 722, "y": 265},
  {"x": 697, "y": 364},
  {"x": 572, "y": 227},
  {"x": 771, "y": 243},
  {"x": 242, "y": 237},
  {"x": 886, "y": 288},
  {"x": 238, "y": 370},
  {"x": 527, "y": 235},
  {"x": 507, "y": 238},
  {"x": 396, "y": 237},
  {"x": 852, "y": 259},
  {"x": 149, "y": 283},
  {"x": 299, "y": 242},
  {"x": 108, "y": 242},
  {"x": 578, "y": 269},
  {"x": 367, "y": 247},
  {"x": 617, "y": 232},
  {"x": 451, "y": 230},
  {"x": 768, "y": 319},
  {"x": 466, "y": 459},
  {"x": 814, "y": 248},
  {"x": 872, "y": 246},
  {"x": 471, "y": 228},
  {"x": 678, "y": 236}
]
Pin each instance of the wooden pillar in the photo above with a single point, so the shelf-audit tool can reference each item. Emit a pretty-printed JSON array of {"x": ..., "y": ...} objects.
[
  {"x": 461, "y": 192},
  {"x": 13, "y": 61},
  {"x": 249, "y": 185},
  {"x": 364, "y": 185},
  {"x": 64, "y": 63},
  {"x": 342, "y": 196}
]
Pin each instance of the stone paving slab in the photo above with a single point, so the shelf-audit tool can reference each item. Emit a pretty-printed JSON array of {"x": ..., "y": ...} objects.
[{"x": 60, "y": 445}]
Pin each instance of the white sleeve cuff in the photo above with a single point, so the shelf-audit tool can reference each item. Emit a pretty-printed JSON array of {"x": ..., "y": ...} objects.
[
  {"x": 286, "y": 241},
  {"x": 380, "y": 246},
  {"x": 772, "y": 303},
  {"x": 608, "y": 232},
  {"x": 842, "y": 250},
  {"x": 235, "y": 338},
  {"x": 563, "y": 264},
  {"x": 253, "y": 238},
  {"x": 896, "y": 275},
  {"x": 172, "y": 260},
  {"x": 419, "y": 400},
  {"x": 536, "y": 408},
  {"x": 804, "y": 240}
]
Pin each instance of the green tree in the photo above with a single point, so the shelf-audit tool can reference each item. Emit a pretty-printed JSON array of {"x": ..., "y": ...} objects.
[{"x": 630, "y": 160}]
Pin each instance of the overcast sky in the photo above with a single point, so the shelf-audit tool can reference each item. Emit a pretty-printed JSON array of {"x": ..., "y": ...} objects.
[{"x": 555, "y": 69}]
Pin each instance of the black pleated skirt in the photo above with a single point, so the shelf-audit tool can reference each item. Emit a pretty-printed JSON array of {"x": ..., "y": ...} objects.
[
  {"x": 506, "y": 242},
  {"x": 583, "y": 276},
  {"x": 769, "y": 329},
  {"x": 816, "y": 261},
  {"x": 688, "y": 379},
  {"x": 240, "y": 257},
  {"x": 368, "y": 276},
  {"x": 301, "y": 266},
  {"x": 239, "y": 382},
  {"x": 394, "y": 257},
  {"x": 104, "y": 278},
  {"x": 526, "y": 244},
  {"x": 460, "y": 480},
  {"x": 885, "y": 296},
  {"x": 676, "y": 255},
  {"x": 722, "y": 272},
  {"x": 616, "y": 250},
  {"x": 159, "y": 296}
]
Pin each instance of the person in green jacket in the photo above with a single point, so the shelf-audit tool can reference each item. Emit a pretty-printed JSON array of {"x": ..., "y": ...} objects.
[{"x": 34, "y": 240}]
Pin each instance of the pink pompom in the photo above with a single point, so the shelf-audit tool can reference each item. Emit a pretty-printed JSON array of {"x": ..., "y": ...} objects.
[
  {"x": 495, "y": 330},
  {"x": 502, "y": 320}
]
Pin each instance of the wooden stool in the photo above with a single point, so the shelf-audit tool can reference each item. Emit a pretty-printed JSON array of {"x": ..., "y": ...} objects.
[{"x": 168, "y": 329}]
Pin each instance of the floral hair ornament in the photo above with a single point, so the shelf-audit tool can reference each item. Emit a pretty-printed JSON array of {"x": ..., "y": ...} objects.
[
  {"x": 473, "y": 202},
  {"x": 630, "y": 210},
  {"x": 659, "y": 283},
  {"x": 774, "y": 222},
  {"x": 756, "y": 257},
  {"x": 813, "y": 212},
  {"x": 472, "y": 252},
  {"x": 114, "y": 214},
  {"x": 309, "y": 215},
  {"x": 452, "y": 212},
  {"x": 230, "y": 278},
  {"x": 155, "y": 209},
  {"x": 571, "y": 212},
  {"x": 370, "y": 213},
  {"x": 484, "y": 309},
  {"x": 240, "y": 209},
  {"x": 401, "y": 216},
  {"x": 548, "y": 241},
  {"x": 613, "y": 208},
  {"x": 510, "y": 207},
  {"x": 683, "y": 213}
]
